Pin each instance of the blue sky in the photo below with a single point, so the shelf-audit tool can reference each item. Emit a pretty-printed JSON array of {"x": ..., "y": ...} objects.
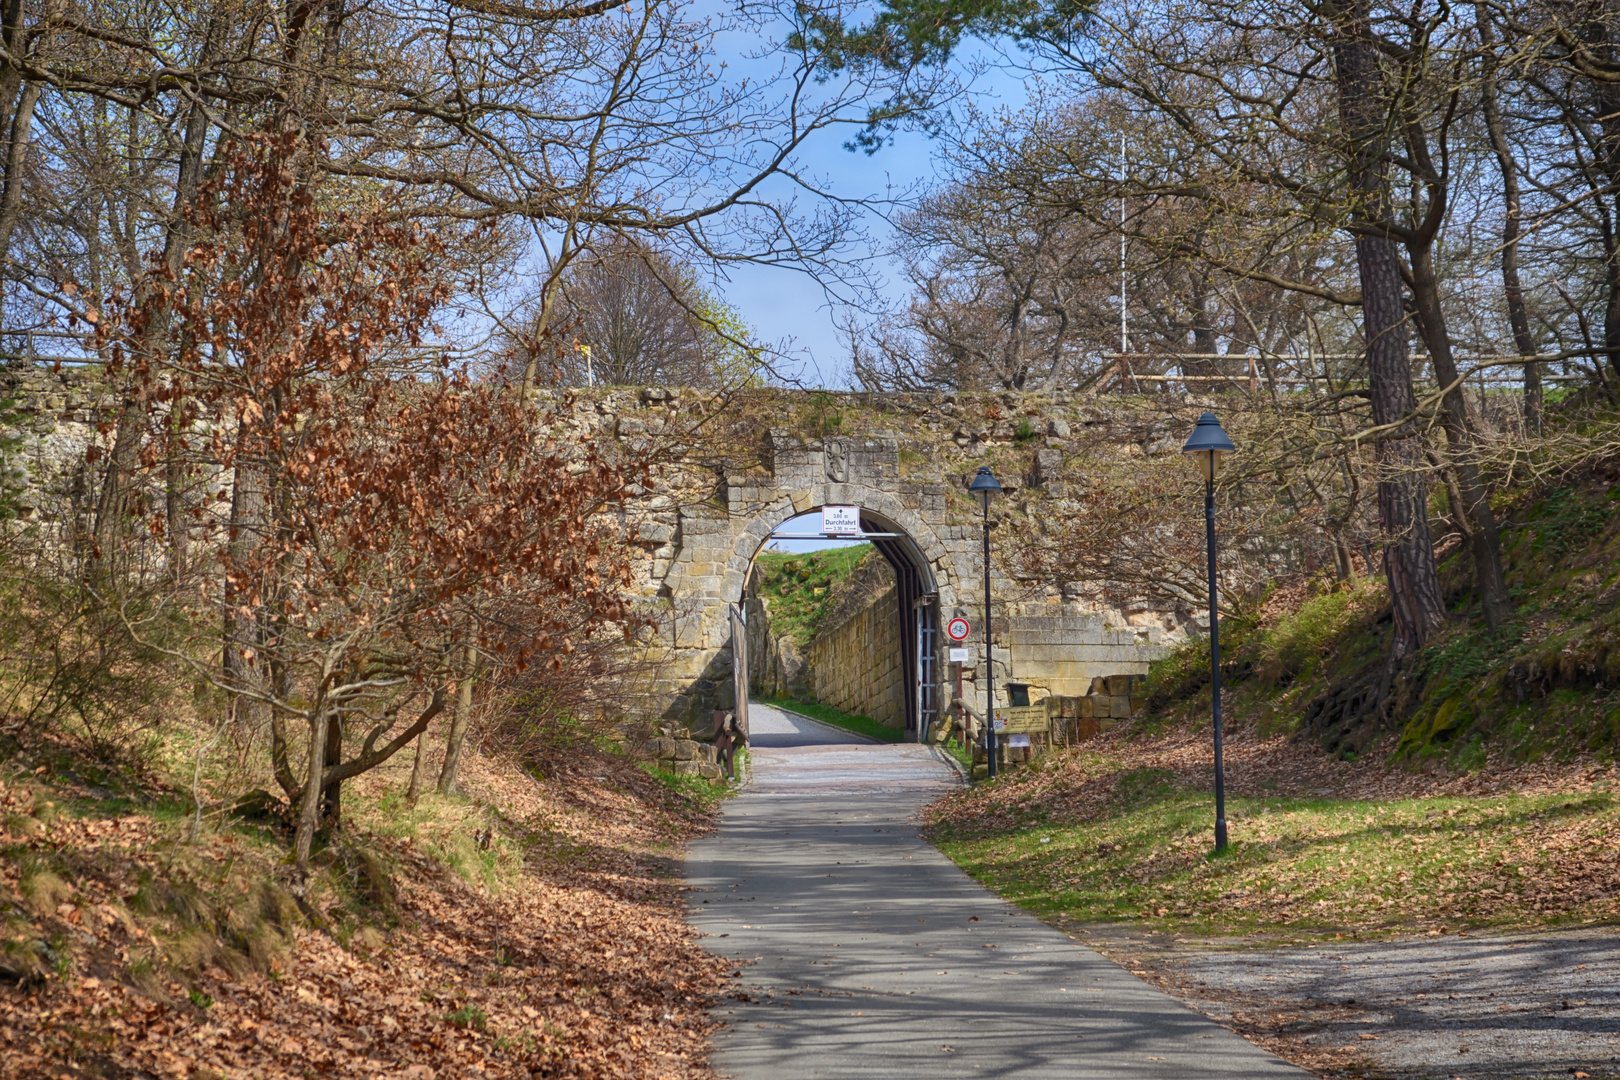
[{"x": 781, "y": 303}]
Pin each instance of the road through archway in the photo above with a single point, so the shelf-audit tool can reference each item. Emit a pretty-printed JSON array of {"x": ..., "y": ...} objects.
[{"x": 869, "y": 956}]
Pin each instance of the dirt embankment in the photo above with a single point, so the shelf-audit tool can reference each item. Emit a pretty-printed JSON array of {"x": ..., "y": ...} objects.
[{"x": 132, "y": 949}]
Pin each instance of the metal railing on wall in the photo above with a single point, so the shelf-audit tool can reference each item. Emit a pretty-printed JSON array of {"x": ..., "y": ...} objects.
[
  {"x": 1134, "y": 372},
  {"x": 63, "y": 348}
]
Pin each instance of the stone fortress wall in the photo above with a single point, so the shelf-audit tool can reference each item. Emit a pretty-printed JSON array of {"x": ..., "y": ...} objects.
[{"x": 903, "y": 458}]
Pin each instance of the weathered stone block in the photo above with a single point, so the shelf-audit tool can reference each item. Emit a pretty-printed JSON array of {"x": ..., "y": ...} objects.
[
  {"x": 688, "y": 768},
  {"x": 1121, "y": 708},
  {"x": 685, "y": 750}
]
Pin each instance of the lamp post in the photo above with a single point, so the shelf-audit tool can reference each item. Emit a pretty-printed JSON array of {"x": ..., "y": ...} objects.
[
  {"x": 1204, "y": 449},
  {"x": 985, "y": 485}
]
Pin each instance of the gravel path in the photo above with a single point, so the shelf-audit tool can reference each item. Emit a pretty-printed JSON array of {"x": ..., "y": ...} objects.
[{"x": 865, "y": 953}]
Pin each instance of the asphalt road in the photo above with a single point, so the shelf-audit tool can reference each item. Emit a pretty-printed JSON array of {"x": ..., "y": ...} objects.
[{"x": 865, "y": 953}]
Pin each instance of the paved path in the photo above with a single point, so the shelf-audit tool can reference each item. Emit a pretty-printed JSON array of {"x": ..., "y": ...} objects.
[
  {"x": 1510, "y": 1005},
  {"x": 870, "y": 955}
]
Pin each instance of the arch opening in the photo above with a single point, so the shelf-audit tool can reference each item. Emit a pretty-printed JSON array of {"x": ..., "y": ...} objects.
[{"x": 892, "y": 656}]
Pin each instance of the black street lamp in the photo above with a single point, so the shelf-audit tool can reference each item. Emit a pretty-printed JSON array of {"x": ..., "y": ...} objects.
[
  {"x": 985, "y": 485},
  {"x": 1204, "y": 449}
]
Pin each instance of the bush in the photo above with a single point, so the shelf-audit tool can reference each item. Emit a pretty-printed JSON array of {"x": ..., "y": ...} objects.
[
  {"x": 1185, "y": 672},
  {"x": 72, "y": 667},
  {"x": 1291, "y": 648}
]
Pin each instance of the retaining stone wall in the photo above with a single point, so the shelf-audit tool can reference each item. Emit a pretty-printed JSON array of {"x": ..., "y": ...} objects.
[{"x": 856, "y": 662}]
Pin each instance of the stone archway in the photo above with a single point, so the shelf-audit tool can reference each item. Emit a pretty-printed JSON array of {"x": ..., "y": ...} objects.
[
  {"x": 929, "y": 554},
  {"x": 705, "y": 547},
  {"x": 892, "y": 672}
]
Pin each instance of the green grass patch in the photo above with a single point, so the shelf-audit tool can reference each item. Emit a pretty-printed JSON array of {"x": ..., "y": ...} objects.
[
  {"x": 860, "y": 725},
  {"x": 1303, "y": 867},
  {"x": 694, "y": 789},
  {"x": 962, "y": 755},
  {"x": 801, "y": 587}
]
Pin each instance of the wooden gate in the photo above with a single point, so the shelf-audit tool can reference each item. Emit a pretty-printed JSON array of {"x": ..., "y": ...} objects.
[{"x": 739, "y": 664}]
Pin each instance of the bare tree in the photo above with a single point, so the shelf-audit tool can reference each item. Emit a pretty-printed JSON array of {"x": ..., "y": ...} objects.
[{"x": 627, "y": 314}]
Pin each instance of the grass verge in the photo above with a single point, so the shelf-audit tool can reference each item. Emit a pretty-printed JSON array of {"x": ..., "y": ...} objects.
[
  {"x": 962, "y": 755},
  {"x": 694, "y": 789},
  {"x": 1110, "y": 837},
  {"x": 860, "y": 725}
]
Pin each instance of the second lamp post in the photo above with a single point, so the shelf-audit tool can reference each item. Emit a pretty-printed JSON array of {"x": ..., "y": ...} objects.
[
  {"x": 985, "y": 485},
  {"x": 1204, "y": 449}
]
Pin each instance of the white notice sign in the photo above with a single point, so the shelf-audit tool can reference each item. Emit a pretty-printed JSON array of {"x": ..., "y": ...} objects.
[
  {"x": 1018, "y": 740},
  {"x": 841, "y": 520},
  {"x": 961, "y": 656}
]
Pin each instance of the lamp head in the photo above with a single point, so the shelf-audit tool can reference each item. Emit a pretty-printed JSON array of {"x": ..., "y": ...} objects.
[
  {"x": 1206, "y": 446},
  {"x": 984, "y": 485}
]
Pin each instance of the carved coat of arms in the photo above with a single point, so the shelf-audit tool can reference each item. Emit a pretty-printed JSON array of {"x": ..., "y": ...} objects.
[{"x": 836, "y": 452}]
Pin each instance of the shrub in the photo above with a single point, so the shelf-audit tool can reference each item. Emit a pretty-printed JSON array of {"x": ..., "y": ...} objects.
[{"x": 1291, "y": 648}]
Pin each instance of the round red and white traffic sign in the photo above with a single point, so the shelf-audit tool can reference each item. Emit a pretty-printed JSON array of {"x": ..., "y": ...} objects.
[{"x": 958, "y": 629}]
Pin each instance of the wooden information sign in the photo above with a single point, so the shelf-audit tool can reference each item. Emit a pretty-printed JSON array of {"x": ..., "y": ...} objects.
[{"x": 1023, "y": 719}]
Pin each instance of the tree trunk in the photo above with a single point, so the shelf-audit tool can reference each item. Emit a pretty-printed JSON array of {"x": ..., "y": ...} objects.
[
  {"x": 1203, "y": 331},
  {"x": 332, "y": 790},
  {"x": 115, "y": 505},
  {"x": 1512, "y": 291},
  {"x": 1483, "y": 537},
  {"x": 1601, "y": 32},
  {"x": 1344, "y": 562},
  {"x": 178, "y": 528},
  {"x": 280, "y": 758},
  {"x": 22, "y": 125},
  {"x": 249, "y": 511},
  {"x": 1414, "y": 582},
  {"x": 413, "y": 791},
  {"x": 458, "y": 724},
  {"x": 309, "y": 811}
]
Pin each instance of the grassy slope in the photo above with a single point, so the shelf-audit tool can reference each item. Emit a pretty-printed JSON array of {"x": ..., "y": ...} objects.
[
  {"x": 1549, "y": 683},
  {"x": 801, "y": 588},
  {"x": 533, "y": 927},
  {"x": 1487, "y": 801}
]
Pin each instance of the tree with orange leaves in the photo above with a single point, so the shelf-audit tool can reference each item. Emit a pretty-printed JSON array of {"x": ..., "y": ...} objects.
[{"x": 354, "y": 526}]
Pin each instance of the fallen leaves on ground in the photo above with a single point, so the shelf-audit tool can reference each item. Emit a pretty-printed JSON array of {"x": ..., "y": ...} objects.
[
  {"x": 1317, "y": 842},
  {"x": 581, "y": 967}
]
